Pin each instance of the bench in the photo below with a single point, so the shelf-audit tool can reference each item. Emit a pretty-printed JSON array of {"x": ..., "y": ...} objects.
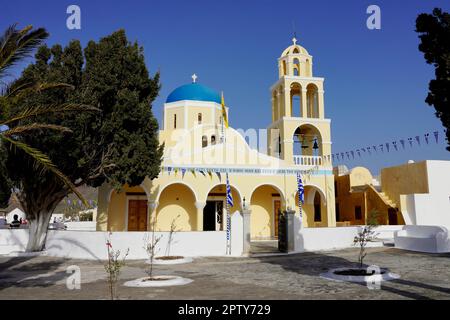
[{"x": 431, "y": 239}]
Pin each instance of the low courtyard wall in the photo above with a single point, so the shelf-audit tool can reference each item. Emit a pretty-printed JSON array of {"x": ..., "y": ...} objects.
[
  {"x": 316, "y": 239},
  {"x": 92, "y": 245}
]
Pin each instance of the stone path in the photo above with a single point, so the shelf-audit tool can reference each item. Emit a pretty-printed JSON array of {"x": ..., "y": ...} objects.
[{"x": 423, "y": 276}]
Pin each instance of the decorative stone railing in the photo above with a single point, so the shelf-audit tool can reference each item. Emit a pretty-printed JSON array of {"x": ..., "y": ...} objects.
[{"x": 308, "y": 160}]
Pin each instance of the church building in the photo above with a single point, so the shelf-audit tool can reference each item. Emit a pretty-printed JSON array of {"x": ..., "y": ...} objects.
[{"x": 202, "y": 152}]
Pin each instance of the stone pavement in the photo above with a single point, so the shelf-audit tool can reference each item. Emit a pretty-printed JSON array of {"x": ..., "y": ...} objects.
[{"x": 423, "y": 276}]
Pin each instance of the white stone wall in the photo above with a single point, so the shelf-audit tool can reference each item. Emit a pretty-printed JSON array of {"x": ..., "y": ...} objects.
[
  {"x": 432, "y": 208},
  {"x": 92, "y": 245}
]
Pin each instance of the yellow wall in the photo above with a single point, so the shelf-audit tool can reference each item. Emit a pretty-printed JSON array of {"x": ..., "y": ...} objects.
[
  {"x": 353, "y": 190},
  {"x": 405, "y": 179},
  {"x": 176, "y": 203},
  {"x": 117, "y": 208},
  {"x": 262, "y": 215}
]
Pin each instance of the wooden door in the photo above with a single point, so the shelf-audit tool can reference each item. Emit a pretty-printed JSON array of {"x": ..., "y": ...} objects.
[
  {"x": 137, "y": 215},
  {"x": 276, "y": 212}
]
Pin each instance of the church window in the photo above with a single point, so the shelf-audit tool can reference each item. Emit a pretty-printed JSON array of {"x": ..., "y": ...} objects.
[
  {"x": 199, "y": 118},
  {"x": 204, "y": 141},
  {"x": 174, "y": 121},
  {"x": 213, "y": 139}
]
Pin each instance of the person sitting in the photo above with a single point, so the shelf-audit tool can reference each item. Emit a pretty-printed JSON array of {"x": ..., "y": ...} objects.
[{"x": 15, "y": 223}]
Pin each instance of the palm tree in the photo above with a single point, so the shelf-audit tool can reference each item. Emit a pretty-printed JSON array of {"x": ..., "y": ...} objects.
[{"x": 16, "y": 45}]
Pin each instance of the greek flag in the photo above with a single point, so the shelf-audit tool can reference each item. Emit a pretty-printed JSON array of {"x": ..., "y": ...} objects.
[
  {"x": 301, "y": 189},
  {"x": 229, "y": 196}
]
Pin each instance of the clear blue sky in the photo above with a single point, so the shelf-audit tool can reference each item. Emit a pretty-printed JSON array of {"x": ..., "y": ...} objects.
[{"x": 375, "y": 81}]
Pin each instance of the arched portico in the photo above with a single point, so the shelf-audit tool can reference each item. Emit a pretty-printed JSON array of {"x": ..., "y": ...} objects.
[
  {"x": 128, "y": 209},
  {"x": 176, "y": 208},
  {"x": 214, "y": 211},
  {"x": 314, "y": 209},
  {"x": 265, "y": 203}
]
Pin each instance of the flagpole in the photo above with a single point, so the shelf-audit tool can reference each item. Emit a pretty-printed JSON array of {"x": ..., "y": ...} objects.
[
  {"x": 228, "y": 251},
  {"x": 227, "y": 207}
]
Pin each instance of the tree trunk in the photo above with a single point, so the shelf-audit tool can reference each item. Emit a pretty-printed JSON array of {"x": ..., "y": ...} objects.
[{"x": 38, "y": 231}]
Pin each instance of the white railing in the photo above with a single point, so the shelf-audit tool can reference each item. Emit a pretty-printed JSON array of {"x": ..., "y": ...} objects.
[{"x": 308, "y": 160}]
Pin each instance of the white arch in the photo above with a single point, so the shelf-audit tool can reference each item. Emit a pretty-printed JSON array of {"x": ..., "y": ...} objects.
[
  {"x": 231, "y": 185},
  {"x": 305, "y": 124},
  {"x": 283, "y": 195},
  {"x": 177, "y": 182},
  {"x": 141, "y": 186},
  {"x": 310, "y": 197}
]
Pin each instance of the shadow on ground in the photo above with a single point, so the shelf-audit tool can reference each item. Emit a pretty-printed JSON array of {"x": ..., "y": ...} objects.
[
  {"x": 315, "y": 263},
  {"x": 26, "y": 272}
]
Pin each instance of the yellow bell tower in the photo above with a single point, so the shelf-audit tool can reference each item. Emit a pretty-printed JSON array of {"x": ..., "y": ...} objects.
[{"x": 299, "y": 132}]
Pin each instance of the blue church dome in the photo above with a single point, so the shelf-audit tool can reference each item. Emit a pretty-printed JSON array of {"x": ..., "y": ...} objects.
[{"x": 194, "y": 91}]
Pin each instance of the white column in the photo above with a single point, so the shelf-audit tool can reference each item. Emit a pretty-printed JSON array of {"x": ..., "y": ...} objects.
[
  {"x": 279, "y": 104},
  {"x": 200, "y": 205},
  {"x": 246, "y": 215},
  {"x": 321, "y": 107},
  {"x": 287, "y": 102}
]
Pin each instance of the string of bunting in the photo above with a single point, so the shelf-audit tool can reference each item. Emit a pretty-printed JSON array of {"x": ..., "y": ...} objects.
[
  {"x": 219, "y": 171},
  {"x": 396, "y": 145}
]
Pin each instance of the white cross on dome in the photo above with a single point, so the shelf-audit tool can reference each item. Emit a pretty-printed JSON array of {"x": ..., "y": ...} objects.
[{"x": 194, "y": 78}]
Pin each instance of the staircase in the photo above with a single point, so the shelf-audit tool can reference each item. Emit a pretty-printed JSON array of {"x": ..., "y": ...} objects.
[
  {"x": 386, "y": 234},
  {"x": 383, "y": 197}
]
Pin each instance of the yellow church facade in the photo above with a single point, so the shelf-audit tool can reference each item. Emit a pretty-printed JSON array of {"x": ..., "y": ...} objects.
[{"x": 201, "y": 152}]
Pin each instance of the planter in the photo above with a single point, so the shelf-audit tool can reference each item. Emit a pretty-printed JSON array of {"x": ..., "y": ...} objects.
[
  {"x": 171, "y": 260},
  {"x": 360, "y": 275},
  {"x": 158, "y": 281}
]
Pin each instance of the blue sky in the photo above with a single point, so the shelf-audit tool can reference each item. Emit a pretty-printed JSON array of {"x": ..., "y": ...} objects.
[{"x": 376, "y": 81}]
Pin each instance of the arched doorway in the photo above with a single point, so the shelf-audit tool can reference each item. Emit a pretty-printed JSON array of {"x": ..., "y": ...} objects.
[
  {"x": 314, "y": 209},
  {"x": 176, "y": 209},
  {"x": 214, "y": 213},
  {"x": 265, "y": 203},
  {"x": 128, "y": 209}
]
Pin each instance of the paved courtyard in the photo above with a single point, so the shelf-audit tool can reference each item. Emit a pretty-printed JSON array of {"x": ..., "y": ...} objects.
[{"x": 423, "y": 276}]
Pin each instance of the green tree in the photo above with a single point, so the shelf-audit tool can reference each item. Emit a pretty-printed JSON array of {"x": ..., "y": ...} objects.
[
  {"x": 434, "y": 34},
  {"x": 118, "y": 145}
]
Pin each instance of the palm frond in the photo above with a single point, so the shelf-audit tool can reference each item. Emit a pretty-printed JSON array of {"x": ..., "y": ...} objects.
[
  {"x": 34, "y": 126},
  {"x": 23, "y": 89},
  {"x": 41, "y": 110},
  {"x": 16, "y": 45},
  {"x": 44, "y": 163}
]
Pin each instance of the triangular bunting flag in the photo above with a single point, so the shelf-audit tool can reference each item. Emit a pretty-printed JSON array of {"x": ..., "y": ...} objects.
[
  {"x": 410, "y": 141},
  {"x": 436, "y": 136},
  {"x": 394, "y": 143}
]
